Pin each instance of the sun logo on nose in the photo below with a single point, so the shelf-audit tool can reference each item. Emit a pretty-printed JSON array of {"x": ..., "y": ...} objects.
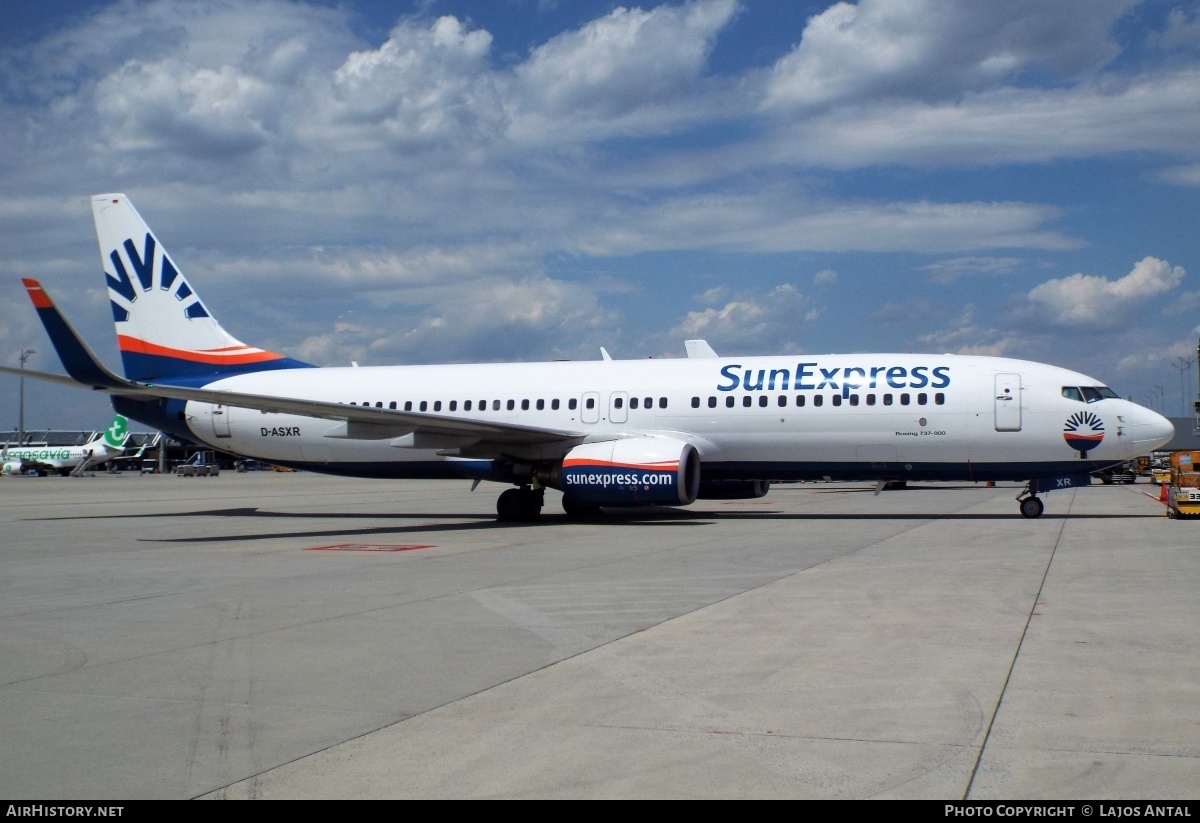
[{"x": 1083, "y": 432}]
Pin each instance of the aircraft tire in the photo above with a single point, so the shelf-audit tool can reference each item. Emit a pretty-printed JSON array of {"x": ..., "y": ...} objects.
[
  {"x": 1032, "y": 507},
  {"x": 580, "y": 511},
  {"x": 508, "y": 506},
  {"x": 523, "y": 505}
]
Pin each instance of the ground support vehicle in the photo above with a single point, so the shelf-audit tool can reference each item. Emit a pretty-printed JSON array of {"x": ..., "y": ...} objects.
[
  {"x": 1183, "y": 495},
  {"x": 201, "y": 464}
]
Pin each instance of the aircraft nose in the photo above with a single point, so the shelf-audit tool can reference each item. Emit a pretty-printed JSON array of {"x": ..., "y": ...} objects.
[{"x": 1153, "y": 430}]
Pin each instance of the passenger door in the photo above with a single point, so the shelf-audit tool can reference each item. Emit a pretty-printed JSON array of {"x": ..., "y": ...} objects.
[{"x": 1008, "y": 402}]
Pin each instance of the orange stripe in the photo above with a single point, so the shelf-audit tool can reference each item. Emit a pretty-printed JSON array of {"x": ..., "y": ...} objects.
[
  {"x": 132, "y": 344},
  {"x": 36, "y": 294},
  {"x": 578, "y": 462}
]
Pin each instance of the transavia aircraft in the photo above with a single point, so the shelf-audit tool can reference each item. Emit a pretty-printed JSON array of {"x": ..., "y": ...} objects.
[
  {"x": 655, "y": 432},
  {"x": 66, "y": 460}
]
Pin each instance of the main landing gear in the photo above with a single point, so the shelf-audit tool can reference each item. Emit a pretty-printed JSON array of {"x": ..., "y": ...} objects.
[
  {"x": 1031, "y": 505},
  {"x": 520, "y": 505}
]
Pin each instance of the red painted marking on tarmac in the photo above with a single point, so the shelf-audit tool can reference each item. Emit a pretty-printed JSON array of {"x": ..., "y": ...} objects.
[{"x": 371, "y": 547}]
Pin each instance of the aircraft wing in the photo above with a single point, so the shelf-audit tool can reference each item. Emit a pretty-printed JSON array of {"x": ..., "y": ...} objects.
[{"x": 359, "y": 422}]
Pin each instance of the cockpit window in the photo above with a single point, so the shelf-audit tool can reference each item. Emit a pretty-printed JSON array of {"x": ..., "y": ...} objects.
[{"x": 1088, "y": 394}]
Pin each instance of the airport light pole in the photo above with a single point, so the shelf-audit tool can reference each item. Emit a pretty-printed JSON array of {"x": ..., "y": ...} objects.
[
  {"x": 1184, "y": 366},
  {"x": 25, "y": 355}
]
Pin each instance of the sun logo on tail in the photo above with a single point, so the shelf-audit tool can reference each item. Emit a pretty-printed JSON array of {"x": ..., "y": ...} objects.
[
  {"x": 1083, "y": 432},
  {"x": 152, "y": 268}
]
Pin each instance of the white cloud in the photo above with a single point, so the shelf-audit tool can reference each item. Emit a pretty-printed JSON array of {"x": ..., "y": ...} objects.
[
  {"x": 1188, "y": 175},
  {"x": 947, "y": 271},
  {"x": 1084, "y": 298},
  {"x": 619, "y": 73},
  {"x": 825, "y": 277},
  {"x": 750, "y": 322},
  {"x": 923, "y": 47}
]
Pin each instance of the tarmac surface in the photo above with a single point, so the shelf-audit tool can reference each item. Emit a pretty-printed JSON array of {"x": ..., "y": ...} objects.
[{"x": 288, "y": 635}]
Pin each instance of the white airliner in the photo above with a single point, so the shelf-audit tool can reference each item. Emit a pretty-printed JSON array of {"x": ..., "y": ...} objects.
[
  {"x": 67, "y": 460},
  {"x": 653, "y": 432}
]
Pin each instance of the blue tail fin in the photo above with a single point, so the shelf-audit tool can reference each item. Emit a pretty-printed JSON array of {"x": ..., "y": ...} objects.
[{"x": 163, "y": 330}]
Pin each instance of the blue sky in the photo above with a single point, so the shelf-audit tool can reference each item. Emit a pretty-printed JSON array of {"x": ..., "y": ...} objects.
[{"x": 511, "y": 180}]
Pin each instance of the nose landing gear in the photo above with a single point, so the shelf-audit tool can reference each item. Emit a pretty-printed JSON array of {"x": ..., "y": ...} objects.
[{"x": 1031, "y": 506}]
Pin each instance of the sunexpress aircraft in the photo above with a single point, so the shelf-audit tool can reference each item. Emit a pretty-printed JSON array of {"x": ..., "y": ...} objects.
[{"x": 654, "y": 432}]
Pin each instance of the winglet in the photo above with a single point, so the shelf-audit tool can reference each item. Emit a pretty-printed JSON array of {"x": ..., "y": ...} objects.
[
  {"x": 699, "y": 349},
  {"x": 604, "y": 353},
  {"x": 76, "y": 357}
]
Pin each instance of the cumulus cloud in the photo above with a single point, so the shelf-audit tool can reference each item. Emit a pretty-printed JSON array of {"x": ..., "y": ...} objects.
[
  {"x": 287, "y": 159},
  {"x": 751, "y": 321},
  {"x": 1087, "y": 298},
  {"x": 932, "y": 48},
  {"x": 621, "y": 72}
]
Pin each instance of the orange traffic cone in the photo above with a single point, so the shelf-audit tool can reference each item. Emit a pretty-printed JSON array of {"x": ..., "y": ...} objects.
[{"x": 1162, "y": 493}]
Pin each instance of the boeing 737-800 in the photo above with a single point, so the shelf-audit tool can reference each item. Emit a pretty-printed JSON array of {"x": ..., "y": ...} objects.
[{"x": 654, "y": 432}]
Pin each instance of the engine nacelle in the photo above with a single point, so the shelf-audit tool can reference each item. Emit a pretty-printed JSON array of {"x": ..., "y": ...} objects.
[
  {"x": 732, "y": 489},
  {"x": 637, "y": 471}
]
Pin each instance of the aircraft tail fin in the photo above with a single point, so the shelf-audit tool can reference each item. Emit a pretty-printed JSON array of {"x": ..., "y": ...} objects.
[
  {"x": 117, "y": 433},
  {"x": 163, "y": 329}
]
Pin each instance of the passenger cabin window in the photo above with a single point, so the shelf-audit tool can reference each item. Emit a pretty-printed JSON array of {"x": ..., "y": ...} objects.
[
  {"x": 695, "y": 402},
  {"x": 870, "y": 400},
  {"x": 762, "y": 400},
  {"x": 633, "y": 402},
  {"x": 525, "y": 405},
  {"x": 837, "y": 400},
  {"x": 662, "y": 402},
  {"x": 712, "y": 402},
  {"x": 591, "y": 402},
  {"x": 649, "y": 403},
  {"x": 572, "y": 404},
  {"x": 512, "y": 404},
  {"x": 904, "y": 399},
  {"x": 818, "y": 399},
  {"x": 782, "y": 400},
  {"x": 495, "y": 405},
  {"x": 799, "y": 400},
  {"x": 437, "y": 405},
  {"x": 922, "y": 398},
  {"x": 746, "y": 401},
  {"x": 408, "y": 405},
  {"x": 424, "y": 405},
  {"x": 466, "y": 405},
  {"x": 392, "y": 405},
  {"x": 854, "y": 400},
  {"x": 940, "y": 399},
  {"x": 554, "y": 404},
  {"x": 729, "y": 402},
  {"x": 541, "y": 404},
  {"x": 618, "y": 403}
]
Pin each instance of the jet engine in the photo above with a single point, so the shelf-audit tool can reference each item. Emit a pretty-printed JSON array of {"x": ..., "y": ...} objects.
[{"x": 636, "y": 471}]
